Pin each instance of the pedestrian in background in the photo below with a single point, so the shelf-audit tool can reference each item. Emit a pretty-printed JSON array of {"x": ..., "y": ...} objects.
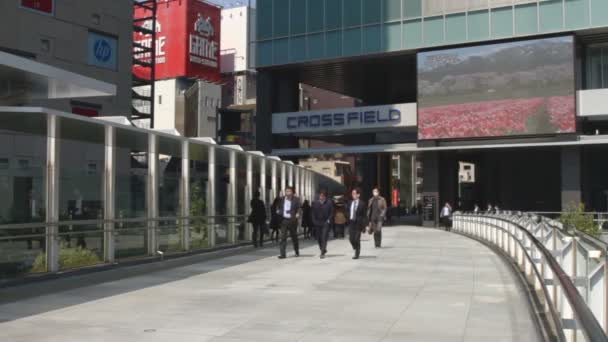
[
  {"x": 357, "y": 220},
  {"x": 257, "y": 218},
  {"x": 446, "y": 216},
  {"x": 339, "y": 219},
  {"x": 275, "y": 220},
  {"x": 307, "y": 225},
  {"x": 322, "y": 212},
  {"x": 376, "y": 213},
  {"x": 289, "y": 208}
]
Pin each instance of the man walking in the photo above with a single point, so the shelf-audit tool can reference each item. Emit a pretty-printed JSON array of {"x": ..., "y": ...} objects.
[
  {"x": 257, "y": 218},
  {"x": 356, "y": 220},
  {"x": 289, "y": 210},
  {"x": 322, "y": 212},
  {"x": 376, "y": 212}
]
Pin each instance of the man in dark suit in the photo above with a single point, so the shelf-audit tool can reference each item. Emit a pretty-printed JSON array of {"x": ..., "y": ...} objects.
[
  {"x": 289, "y": 211},
  {"x": 357, "y": 220},
  {"x": 322, "y": 214}
]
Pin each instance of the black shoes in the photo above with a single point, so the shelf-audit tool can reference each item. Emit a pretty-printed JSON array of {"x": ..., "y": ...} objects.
[
  {"x": 322, "y": 256},
  {"x": 357, "y": 252},
  {"x": 297, "y": 254},
  {"x": 355, "y": 257},
  {"x": 281, "y": 257}
]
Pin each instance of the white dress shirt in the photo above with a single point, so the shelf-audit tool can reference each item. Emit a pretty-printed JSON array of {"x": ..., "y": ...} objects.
[
  {"x": 353, "y": 209},
  {"x": 287, "y": 208}
]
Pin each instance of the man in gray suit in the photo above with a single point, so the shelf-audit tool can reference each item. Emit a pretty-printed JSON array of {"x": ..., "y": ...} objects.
[{"x": 289, "y": 212}]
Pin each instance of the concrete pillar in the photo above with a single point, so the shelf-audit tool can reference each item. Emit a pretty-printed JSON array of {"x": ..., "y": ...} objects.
[
  {"x": 185, "y": 195},
  {"x": 571, "y": 176},
  {"x": 211, "y": 196},
  {"x": 152, "y": 194},
  {"x": 52, "y": 193},
  {"x": 430, "y": 189},
  {"x": 109, "y": 181}
]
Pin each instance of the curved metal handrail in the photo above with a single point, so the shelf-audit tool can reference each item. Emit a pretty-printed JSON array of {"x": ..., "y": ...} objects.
[{"x": 587, "y": 321}]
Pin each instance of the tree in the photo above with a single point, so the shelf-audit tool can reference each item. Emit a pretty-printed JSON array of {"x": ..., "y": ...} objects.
[{"x": 576, "y": 219}]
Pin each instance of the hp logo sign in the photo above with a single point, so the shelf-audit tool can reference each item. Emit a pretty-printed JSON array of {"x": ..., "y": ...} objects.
[{"x": 103, "y": 51}]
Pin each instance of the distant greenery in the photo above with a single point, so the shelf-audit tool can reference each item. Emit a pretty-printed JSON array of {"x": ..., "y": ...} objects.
[
  {"x": 575, "y": 218},
  {"x": 68, "y": 258}
]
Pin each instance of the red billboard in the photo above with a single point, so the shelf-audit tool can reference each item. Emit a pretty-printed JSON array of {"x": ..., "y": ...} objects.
[
  {"x": 44, "y": 6},
  {"x": 187, "y": 40}
]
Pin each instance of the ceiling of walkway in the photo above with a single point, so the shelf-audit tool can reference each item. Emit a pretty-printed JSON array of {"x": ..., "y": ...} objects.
[{"x": 377, "y": 80}]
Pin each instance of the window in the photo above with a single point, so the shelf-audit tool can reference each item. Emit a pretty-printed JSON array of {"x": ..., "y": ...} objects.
[
  {"x": 23, "y": 164},
  {"x": 4, "y": 163},
  {"x": 91, "y": 168},
  {"x": 597, "y": 67},
  {"x": 160, "y": 99}
]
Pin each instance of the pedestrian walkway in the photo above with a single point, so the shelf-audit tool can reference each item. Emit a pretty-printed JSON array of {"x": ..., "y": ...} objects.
[{"x": 423, "y": 285}]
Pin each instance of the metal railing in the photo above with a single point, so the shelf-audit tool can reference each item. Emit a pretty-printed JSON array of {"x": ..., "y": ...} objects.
[
  {"x": 567, "y": 271},
  {"x": 112, "y": 241}
]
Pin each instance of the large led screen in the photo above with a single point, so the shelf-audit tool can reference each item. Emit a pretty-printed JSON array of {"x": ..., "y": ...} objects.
[{"x": 507, "y": 89}]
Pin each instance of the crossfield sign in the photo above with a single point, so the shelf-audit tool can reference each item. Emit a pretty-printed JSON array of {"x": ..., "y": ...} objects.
[
  {"x": 187, "y": 40},
  {"x": 347, "y": 119},
  {"x": 42, "y": 6}
]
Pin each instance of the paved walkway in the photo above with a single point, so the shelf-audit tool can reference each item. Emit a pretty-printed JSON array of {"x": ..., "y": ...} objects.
[{"x": 424, "y": 285}]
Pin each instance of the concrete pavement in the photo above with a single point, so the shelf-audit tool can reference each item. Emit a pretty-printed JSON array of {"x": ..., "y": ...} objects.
[{"x": 424, "y": 285}]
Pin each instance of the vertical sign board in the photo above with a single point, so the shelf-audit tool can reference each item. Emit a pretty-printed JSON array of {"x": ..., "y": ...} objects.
[
  {"x": 42, "y": 6},
  {"x": 102, "y": 51},
  {"x": 187, "y": 40}
]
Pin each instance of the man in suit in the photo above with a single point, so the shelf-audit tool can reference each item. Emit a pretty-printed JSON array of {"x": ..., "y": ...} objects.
[
  {"x": 376, "y": 212},
  {"x": 357, "y": 220},
  {"x": 289, "y": 211},
  {"x": 322, "y": 214}
]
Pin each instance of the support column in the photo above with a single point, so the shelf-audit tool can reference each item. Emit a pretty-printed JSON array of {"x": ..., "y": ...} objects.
[
  {"x": 185, "y": 195},
  {"x": 211, "y": 197},
  {"x": 249, "y": 195},
  {"x": 263, "y": 185},
  {"x": 290, "y": 171},
  {"x": 52, "y": 193},
  {"x": 109, "y": 212},
  {"x": 283, "y": 177},
  {"x": 430, "y": 189},
  {"x": 152, "y": 194},
  {"x": 571, "y": 176},
  {"x": 273, "y": 180},
  {"x": 232, "y": 198}
]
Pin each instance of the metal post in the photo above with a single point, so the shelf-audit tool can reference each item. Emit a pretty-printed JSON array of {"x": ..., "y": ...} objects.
[
  {"x": 283, "y": 176},
  {"x": 263, "y": 186},
  {"x": 211, "y": 197},
  {"x": 273, "y": 180},
  {"x": 52, "y": 193},
  {"x": 109, "y": 179},
  {"x": 290, "y": 173},
  {"x": 152, "y": 193},
  {"x": 232, "y": 198},
  {"x": 185, "y": 195},
  {"x": 249, "y": 193}
]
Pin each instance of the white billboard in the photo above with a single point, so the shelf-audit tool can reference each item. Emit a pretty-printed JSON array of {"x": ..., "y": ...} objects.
[{"x": 346, "y": 119}]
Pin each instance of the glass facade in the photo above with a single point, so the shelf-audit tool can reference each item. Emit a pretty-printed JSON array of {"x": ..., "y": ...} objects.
[
  {"x": 596, "y": 75},
  {"x": 304, "y": 30},
  {"x": 80, "y": 192}
]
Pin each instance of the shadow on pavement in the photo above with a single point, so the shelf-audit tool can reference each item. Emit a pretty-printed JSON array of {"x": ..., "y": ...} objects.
[{"x": 20, "y": 301}]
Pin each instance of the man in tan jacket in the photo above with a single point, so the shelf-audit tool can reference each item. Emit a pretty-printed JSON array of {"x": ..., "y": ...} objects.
[{"x": 376, "y": 212}]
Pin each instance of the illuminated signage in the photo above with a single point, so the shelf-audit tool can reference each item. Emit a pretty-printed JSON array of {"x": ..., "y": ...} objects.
[{"x": 399, "y": 115}]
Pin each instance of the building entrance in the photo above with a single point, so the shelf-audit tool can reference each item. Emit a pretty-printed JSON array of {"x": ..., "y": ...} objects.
[{"x": 527, "y": 180}]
